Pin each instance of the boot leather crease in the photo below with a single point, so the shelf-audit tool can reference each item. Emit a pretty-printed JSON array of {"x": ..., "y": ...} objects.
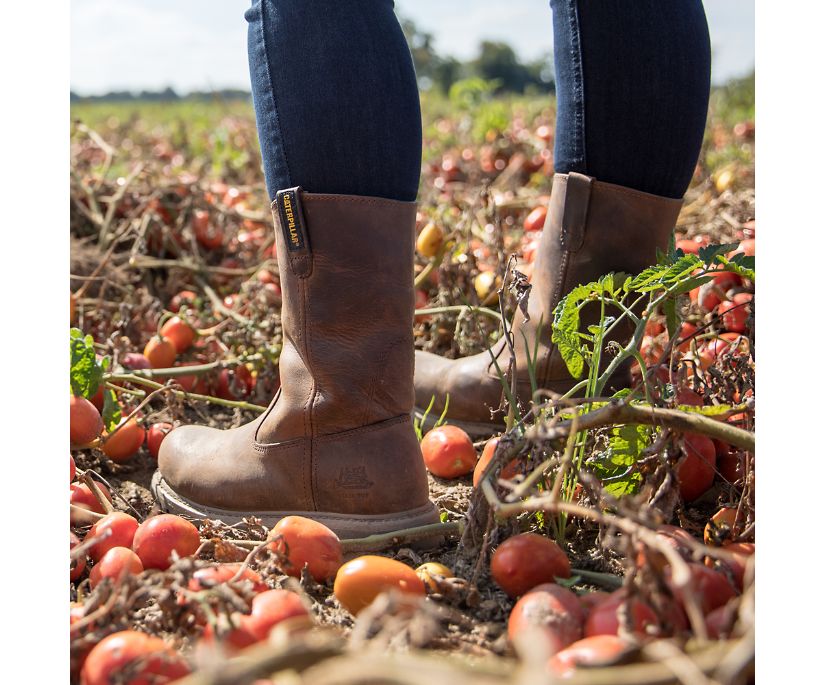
[
  {"x": 592, "y": 228},
  {"x": 336, "y": 444}
]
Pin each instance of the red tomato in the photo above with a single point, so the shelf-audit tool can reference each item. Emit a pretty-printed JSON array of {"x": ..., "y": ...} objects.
[
  {"x": 688, "y": 246},
  {"x": 421, "y": 303},
  {"x": 448, "y": 452},
  {"x": 183, "y": 298},
  {"x": 147, "y": 659},
  {"x": 603, "y": 619},
  {"x": 97, "y": 399},
  {"x": 535, "y": 221},
  {"x": 207, "y": 234},
  {"x": 720, "y": 621},
  {"x": 72, "y": 468},
  {"x": 124, "y": 443},
  {"x": 304, "y": 541},
  {"x": 684, "y": 336},
  {"x": 179, "y": 332},
  {"x": 114, "y": 564},
  {"x": 236, "y": 384},
  {"x": 731, "y": 464},
  {"x": 118, "y": 529},
  {"x": 361, "y": 580},
  {"x": 157, "y": 537},
  {"x": 745, "y": 246},
  {"x": 597, "y": 650},
  {"x": 78, "y": 566},
  {"x": 695, "y": 471},
  {"x": 85, "y": 423},
  {"x": 737, "y": 567},
  {"x": 590, "y": 599},
  {"x": 711, "y": 588},
  {"x": 552, "y": 609},
  {"x": 155, "y": 435},
  {"x": 509, "y": 470},
  {"x": 160, "y": 352},
  {"x": 526, "y": 560},
  {"x": 210, "y": 576},
  {"x": 735, "y": 312},
  {"x": 688, "y": 397},
  {"x": 81, "y": 496}
]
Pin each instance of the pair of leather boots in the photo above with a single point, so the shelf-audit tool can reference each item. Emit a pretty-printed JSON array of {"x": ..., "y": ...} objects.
[{"x": 336, "y": 443}]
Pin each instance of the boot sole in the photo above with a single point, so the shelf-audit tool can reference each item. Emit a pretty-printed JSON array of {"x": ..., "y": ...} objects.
[
  {"x": 473, "y": 428},
  {"x": 346, "y": 526}
]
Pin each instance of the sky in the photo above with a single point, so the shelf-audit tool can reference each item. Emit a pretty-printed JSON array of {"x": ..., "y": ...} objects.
[{"x": 201, "y": 44}]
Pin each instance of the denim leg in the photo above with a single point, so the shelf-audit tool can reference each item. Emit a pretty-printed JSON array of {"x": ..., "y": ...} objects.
[
  {"x": 335, "y": 95},
  {"x": 633, "y": 79}
]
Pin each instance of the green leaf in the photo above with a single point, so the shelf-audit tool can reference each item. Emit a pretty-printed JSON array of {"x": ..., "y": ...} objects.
[
  {"x": 709, "y": 252},
  {"x": 613, "y": 466},
  {"x": 85, "y": 372},
  {"x": 111, "y": 410},
  {"x": 706, "y": 410},
  {"x": 690, "y": 284},
  {"x": 672, "y": 320},
  {"x": 565, "y": 327}
]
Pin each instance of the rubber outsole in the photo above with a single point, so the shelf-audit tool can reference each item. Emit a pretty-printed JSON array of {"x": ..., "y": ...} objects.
[{"x": 346, "y": 526}]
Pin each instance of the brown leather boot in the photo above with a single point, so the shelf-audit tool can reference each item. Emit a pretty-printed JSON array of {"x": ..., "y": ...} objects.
[
  {"x": 336, "y": 443},
  {"x": 592, "y": 229}
]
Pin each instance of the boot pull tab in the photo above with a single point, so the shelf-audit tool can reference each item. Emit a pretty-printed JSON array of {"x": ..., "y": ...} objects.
[
  {"x": 294, "y": 229},
  {"x": 575, "y": 211}
]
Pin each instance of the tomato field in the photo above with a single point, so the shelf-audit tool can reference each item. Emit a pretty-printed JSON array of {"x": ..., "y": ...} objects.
[{"x": 598, "y": 540}]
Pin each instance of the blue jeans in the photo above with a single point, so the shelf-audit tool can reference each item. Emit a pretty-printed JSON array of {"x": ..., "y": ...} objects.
[{"x": 337, "y": 106}]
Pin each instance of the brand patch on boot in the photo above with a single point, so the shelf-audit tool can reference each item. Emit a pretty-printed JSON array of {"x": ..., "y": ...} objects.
[
  {"x": 292, "y": 219},
  {"x": 353, "y": 479}
]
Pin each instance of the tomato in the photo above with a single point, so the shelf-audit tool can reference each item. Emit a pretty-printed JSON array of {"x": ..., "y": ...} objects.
[
  {"x": 157, "y": 537},
  {"x": 590, "y": 599},
  {"x": 430, "y": 240},
  {"x": 526, "y": 560},
  {"x": 711, "y": 588},
  {"x": 207, "y": 234},
  {"x": 735, "y": 312},
  {"x": 210, "y": 576},
  {"x": 448, "y": 452},
  {"x": 653, "y": 327},
  {"x": 155, "y": 435},
  {"x": 731, "y": 464},
  {"x": 529, "y": 250},
  {"x": 114, "y": 564},
  {"x": 85, "y": 423},
  {"x": 118, "y": 529},
  {"x": 361, "y": 580},
  {"x": 183, "y": 298},
  {"x": 72, "y": 307},
  {"x": 597, "y": 650},
  {"x": 720, "y": 526},
  {"x": 553, "y": 610},
  {"x": 179, "y": 332},
  {"x": 78, "y": 566},
  {"x": 720, "y": 621},
  {"x": 688, "y": 397},
  {"x": 304, "y": 541},
  {"x": 486, "y": 284},
  {"x": 147, "y": 659},
  {"x": 188, "y": 383},
  {"x": 684, "y": 336},
  {"x": 72, "y": 468},
  {"x": 160, "y": 352},
  {"x": 695, "y": 471},
  {"x": 603, "y": 619},
  {"x": 422, "y": 300},
  {"x": 236, "y": 384},
  {"x": 688, "y": 246},
  {"x": 124, "y": 442},
  {"x": 545, "y": 132},
  {"x": 429, "y": 573},
  {"x": 135, "y": 361},
  {"x": 509, "y": 470},
  {"x": 81, "y": 496},
  {"x": 97, "y": 399},
  {"x": 535, "y": 221},
  {"x": 745, "y": 246},
  {"x": 673, "y": 536},
  {"x": 737, "y": 566}
]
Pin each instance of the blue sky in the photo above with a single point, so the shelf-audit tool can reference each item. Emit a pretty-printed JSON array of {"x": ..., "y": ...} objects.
[{"x": 201, "y": 44}]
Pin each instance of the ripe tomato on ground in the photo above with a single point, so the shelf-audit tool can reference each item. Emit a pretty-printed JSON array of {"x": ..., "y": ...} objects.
[
  {"x": 535, "y": 221},
  {"x": 81, "y": 496},
  {"x": 179, "y": 332},
  {"x": 526, "y": 560},
  {"x": 361, "y": 580},
  {"x": 429, "y": 572},
  {"x": 509, "y": 470},
  {"x": 155, "y": 435},
  {"x": 160, "y": 352},
  {"x": 304, "y": 541},
  {"x": 114, "y": 564},
  {"x": 604, "y": 619},
  {"x": 85, "y": 423},
  {"x": 157, "y": 537},
  {"x": 551, "y": 609},
  {"x": 448, "y": 452},
  {"x": 695, "y": 471},
  {"x": 78, "y": 566},
  {"x": 430, "y": 240},
  {"x": 115, "y": 530},
  {"x": 596, "y": 650},
  {"x": 236, "y": 384},
  {"x": 124, "y": 442},
  {"x": 147, "y": 659}
]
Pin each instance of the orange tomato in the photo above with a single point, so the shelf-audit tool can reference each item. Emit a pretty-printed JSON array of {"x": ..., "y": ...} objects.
[
  {"x": 360, "y": 581},
  {"x": 448, "y": 452},
  {"x": 304, "y": 541}
]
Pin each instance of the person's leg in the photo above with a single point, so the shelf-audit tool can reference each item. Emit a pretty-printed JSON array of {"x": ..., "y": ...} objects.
[
  {"x": 632, "y": 90},
  {"x": 336, "y": 99}
]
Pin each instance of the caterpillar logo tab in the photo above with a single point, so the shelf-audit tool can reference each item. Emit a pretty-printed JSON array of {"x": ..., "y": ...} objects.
[{"x": 292, "y": 219}]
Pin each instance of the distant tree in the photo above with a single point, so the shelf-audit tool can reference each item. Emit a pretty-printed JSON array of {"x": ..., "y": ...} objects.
[{"x": 498, "y": 62}]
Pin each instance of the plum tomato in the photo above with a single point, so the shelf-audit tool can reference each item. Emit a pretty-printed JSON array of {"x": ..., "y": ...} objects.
[
  {"x": 361, "y": 580},
  {"x": 125, "y": 441},
  {"x": 695, "y": 471},
  {"x": 720, "y": 527},
  {"x": 85, "y": 423},
  {"x": 535, "y": 221},
  {"x": 160, "y": 352},
  {"x": 526, "y": 560},
  {"x": 236, "y": 384},
  {"x": 157, "y": 537},
  {"x": 604, "y": 619},
  {"x": 509, "y": 470},
  {"x": 114, "y": 564},
  {"x": 710, "y": 587},
  {"x": 430, "y": 240},
  {"x": 735, "y": 312},
  {"x": 207, "y": 233},
  {"x": 81, "y": 496},
  {"x": 551, "y": 609},
  {"x": 448, "y": 452},
  {"x": 209, "y": 576},
  {"x": 737, "y": 566},
  {"x": 596, "y": 650},
  {"x": 179, "y": 332},
  {"x": 116, "y": 529},
  {"x": 147, "y": 659},
  {"x": 155, "y": 435},
  {"x": 182, "y": 299},
  {"x": 304, "y": 541}
]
